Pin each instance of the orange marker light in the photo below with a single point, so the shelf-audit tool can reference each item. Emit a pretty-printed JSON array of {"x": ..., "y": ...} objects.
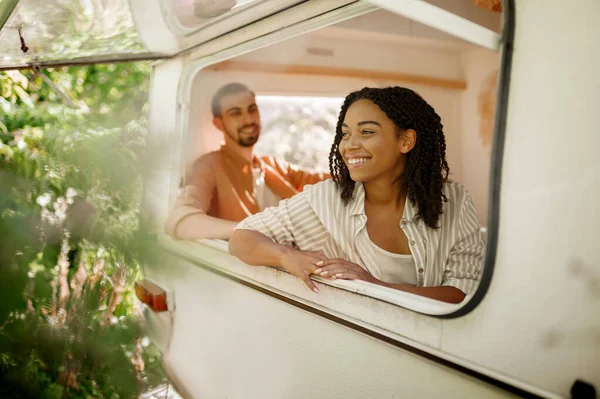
[{"x": 152, "y": 295}]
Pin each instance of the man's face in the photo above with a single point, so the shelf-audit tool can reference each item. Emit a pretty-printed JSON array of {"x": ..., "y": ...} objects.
[{"x": 239, "y": 119}]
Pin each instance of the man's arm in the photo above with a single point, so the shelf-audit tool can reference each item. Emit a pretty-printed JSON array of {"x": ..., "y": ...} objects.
[
  {"x": 296, "y": 176},
  {"x": 188, "y": 219},
  {"x": 200, "y": 225}
]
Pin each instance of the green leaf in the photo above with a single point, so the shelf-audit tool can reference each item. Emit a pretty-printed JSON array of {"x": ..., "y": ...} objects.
[
  {"x": 23, "y": 96},
  {"x": 98, "y": 154}
]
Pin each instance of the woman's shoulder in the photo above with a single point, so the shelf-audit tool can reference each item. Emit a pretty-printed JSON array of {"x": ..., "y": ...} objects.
[
  {"x": 454, "y": 186},
  {"x": 322, "y": 188},
  {"x": 456, "y": 194},
  {"x": 324, "y": 198}
]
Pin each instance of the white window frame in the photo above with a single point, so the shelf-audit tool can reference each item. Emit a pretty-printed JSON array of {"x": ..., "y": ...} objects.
[
  {"x": 445, "y": 21},
  {"x": 298, "y": 21}
]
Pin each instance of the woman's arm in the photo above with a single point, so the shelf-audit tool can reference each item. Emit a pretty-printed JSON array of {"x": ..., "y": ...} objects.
[
  {"x": 342, "y": 269},
  {"x": 443, "y": 293},
  {"x": 256, "y": 249},
  {"x": 463, "y": 265}
]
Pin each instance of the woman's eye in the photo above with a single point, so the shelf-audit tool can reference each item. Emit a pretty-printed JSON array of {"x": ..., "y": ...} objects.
[
  {"x": 345, "y": 135},
  {"x": 368, "y": 132}
]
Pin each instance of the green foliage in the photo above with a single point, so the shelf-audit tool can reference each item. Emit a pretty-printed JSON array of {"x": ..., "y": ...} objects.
[
  {"x": 299, "y": 130},
  {"x": 70, "y": 185}
]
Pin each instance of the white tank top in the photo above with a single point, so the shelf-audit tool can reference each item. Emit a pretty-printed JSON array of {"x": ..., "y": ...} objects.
[
  {"x": 395, "y": 268},
  {"x": 264, "y": 196}
]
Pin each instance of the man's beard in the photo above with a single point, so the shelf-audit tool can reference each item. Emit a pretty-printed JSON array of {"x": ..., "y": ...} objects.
[{"x": 245, "y": 141}]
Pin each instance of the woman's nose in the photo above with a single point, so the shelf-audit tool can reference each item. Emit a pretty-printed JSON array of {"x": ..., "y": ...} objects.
[{"x": 353, "y": 142}]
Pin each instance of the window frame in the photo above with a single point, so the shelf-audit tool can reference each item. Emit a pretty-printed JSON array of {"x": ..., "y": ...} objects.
[
  {"x": 215, "y": 52},
  {"x": 245, "y": 14}
]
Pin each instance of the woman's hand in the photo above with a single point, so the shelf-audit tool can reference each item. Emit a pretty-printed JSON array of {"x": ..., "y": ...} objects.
[
  {"x": 302, "y": 264},
  {"x": 342, "y": 269}
]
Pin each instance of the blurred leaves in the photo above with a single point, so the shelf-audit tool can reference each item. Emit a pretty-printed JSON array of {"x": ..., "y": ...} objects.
[
  {"x": 299, "y": 130},
  {"x": 72, "y": 241}
]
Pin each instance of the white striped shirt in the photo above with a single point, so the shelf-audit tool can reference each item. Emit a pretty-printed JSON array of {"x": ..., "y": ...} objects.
[{"x": 317, "y": 220}]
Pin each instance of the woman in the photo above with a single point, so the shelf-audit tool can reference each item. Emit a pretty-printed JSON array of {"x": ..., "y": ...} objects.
[{"x": 389, "y": 216}]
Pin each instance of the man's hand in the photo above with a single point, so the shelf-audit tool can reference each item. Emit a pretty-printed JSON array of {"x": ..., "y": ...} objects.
[
  {"x": 342, "y": 269},
  {"x": 302, "y": 264}
]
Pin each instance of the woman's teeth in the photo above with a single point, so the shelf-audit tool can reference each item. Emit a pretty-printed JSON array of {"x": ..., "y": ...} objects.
[{"x": 355, "y": 161}]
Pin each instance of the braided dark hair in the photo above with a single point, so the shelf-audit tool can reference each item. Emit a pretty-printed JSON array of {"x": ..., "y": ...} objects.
[{"x": 426, "y": 169}]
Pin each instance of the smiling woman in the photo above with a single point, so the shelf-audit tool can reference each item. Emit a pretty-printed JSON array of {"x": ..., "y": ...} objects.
[{"x": 388, "y": 167}]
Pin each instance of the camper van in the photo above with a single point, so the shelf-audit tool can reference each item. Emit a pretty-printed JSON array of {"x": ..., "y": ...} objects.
[{"x": 516, "y": 85}]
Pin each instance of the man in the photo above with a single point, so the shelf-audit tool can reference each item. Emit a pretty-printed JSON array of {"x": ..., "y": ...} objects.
[{"x": 230, "y": 184}]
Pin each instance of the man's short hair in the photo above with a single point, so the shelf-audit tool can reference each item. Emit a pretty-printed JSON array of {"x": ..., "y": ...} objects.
[{"x": 228, "y": 89}]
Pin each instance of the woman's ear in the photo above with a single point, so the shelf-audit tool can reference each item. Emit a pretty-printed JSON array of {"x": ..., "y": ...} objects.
[{"x": 408, "y": 139}]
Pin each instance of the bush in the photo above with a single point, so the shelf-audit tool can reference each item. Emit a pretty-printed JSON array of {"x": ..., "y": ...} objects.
[{"x": 72, "y": 242}]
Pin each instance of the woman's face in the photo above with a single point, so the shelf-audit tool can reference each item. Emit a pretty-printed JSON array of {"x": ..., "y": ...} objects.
[{"x": 371, "y": 146}]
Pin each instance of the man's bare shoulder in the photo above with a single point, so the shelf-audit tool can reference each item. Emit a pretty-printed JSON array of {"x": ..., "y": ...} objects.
[
  {"x": 207, "y": 163},
  {"x": 209, "y": 158}
]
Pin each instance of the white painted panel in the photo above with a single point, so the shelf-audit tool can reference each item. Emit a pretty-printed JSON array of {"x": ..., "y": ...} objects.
[
  {"x": 443, "y": 20},
  {"x": 540, "y": 319},
  {"x": 390, "y": 23},
  {"x": 364, "y": 54},
  {"x": 468, "y": 9},
  {"x": 230, "y": 341},
  {"x": 164, "y": 144},
  {"x": 338, "y": 297}
]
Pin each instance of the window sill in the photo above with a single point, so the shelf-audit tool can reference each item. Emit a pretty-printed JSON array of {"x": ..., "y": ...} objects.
[
  {"x": 398, "y": 315},
  {"x": 389, "y": 295}
]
